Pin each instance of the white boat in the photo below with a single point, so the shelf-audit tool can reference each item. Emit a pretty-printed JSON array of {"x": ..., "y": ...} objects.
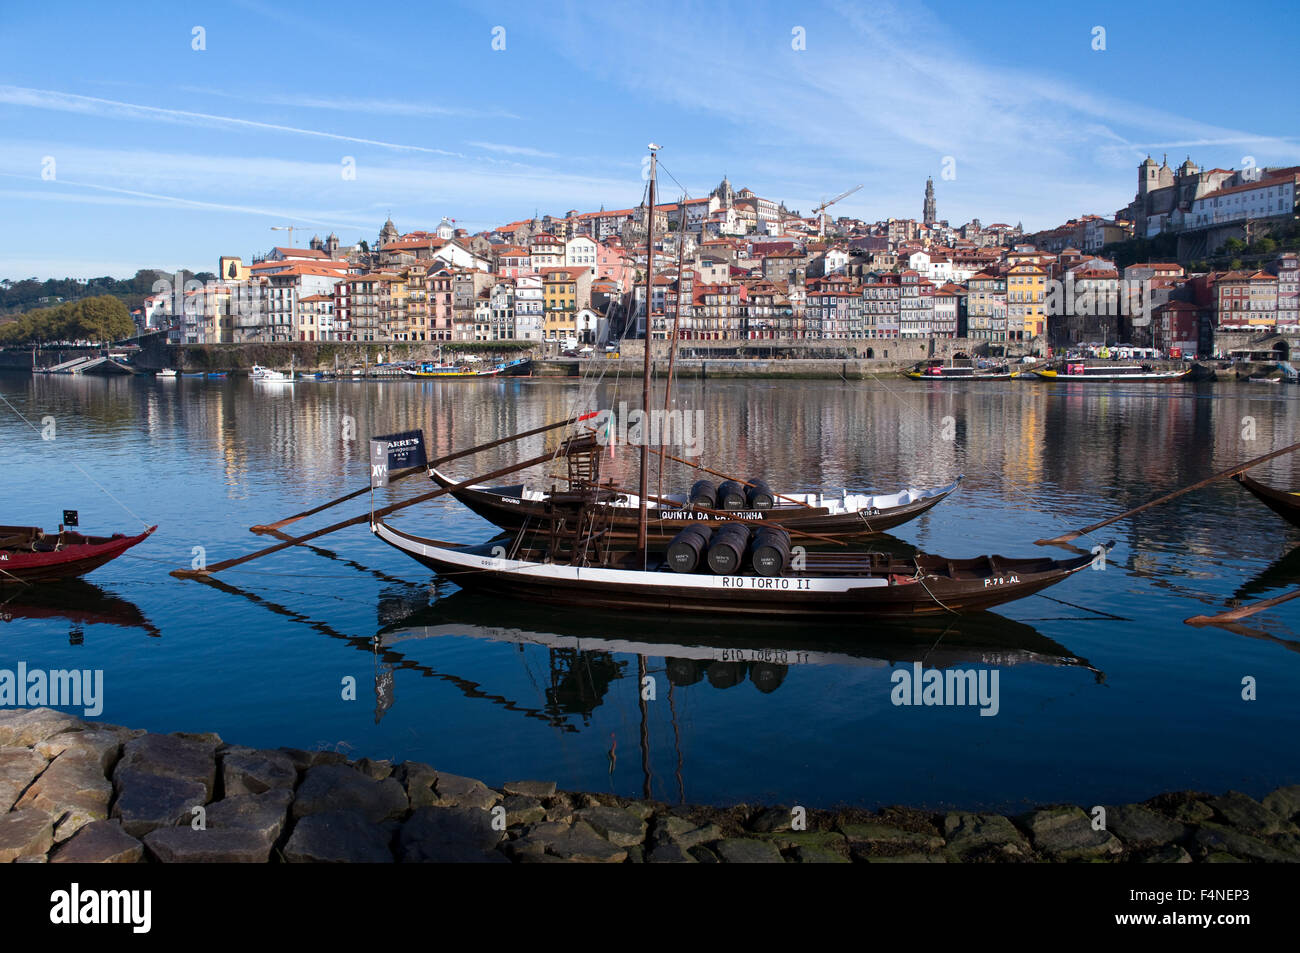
[
  {"x": 165, "y": 372},
  {"x": 267, "y": 376}
]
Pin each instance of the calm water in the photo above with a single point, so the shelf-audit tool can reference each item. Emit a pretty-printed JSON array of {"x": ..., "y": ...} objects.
[{"x": 1105, "y": 695}]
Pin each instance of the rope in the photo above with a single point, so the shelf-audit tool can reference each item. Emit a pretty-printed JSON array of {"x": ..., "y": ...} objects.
[{"x": 77, "y": 465}]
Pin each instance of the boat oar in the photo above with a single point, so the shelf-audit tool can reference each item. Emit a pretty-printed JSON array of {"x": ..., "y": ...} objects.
[
  {"x": 1221, "y": 475},
  {"x": 412, "y": 471},
  {"x": 1236, "y": 615},
  {"x": 294, "y": 541}
]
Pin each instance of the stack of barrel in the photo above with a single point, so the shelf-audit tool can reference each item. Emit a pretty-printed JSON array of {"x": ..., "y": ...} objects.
[
  {"x": 728, "y": 549},
  {"x": 732, "y": 495}
]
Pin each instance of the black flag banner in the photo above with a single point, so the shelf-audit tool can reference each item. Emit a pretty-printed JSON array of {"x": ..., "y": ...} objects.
[{"x": 405, "y": 449}]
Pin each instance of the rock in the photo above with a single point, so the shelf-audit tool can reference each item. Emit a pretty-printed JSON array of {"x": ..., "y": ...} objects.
[
  {"x": 619, "y": 827},
  {"x": 452, "y": 835},
  {"x": 823, "y": 840},
  {"x": 1193, "y": 812},
  {"x": 537, "y": 789},
  {"x": 18, "y": 768},
  {"x": 642, "y": 809},
  {"x": 1066, "y": 833},
  {"x": 192, "y": 759},
  {"x": 72, "y": 791},
  {"x": 985, "y": 834},
  {"x": 685, "y": 833},
  {"x": 536, "y": 838},
  {"x": 302, "y": 760},
  {"x": 25, "y": 833},
  {"x": 1168, "y": 854},
  {"x": 99, "y": 842},
  {"x": 338, "y": 837},
  {"x": 102, "y": 747},
  {"x": 146, "y": 802},
  {"x": 770, "y": 819},
  {"x": 206, "y": 738},
  {"x": 1135, "y": 824},
  {"x": 1243, "y": 812},
  {"x": 1218, "y": 857},
  {"x": 184, "y": 845},
  {"x": 819, "y": 855},
  {"x": 560, "y": 808},
  {"x": 907, "y": 859},
  {"x": 262, "y": 814},
  {"x": 1284, "y": 802},
  {"x": 418, "y": 780},
  {"x": 1218, "y": 838},
  {"x": 454, "y": 791},
  {"x": 872, "y": 835},
  {"x": 374, "y": 769},
  {"x": 747, "y": 850},
  {"x": 256, "y": 772},
  {"x": 703, "y": 855},
  {"x": 582, "y": 844},
  {"x": 668, "y": 852},
  {"x": 330, "y": 788},
  {"x": 522, "y": 810},
  {"x": 26, "y": 727}
]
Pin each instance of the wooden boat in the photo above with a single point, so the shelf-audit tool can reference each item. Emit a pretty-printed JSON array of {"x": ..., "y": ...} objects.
[
  {"x": 845, "y": 514},
  {"x": 27, "y": 554},
  {"x": 1281, "y": 502},
  {"x": 834, "y": 584},
  {"x": 1107, "y": 373},
  {"x": 939, "y": 371},
  {"x": 440, "y": 371}
]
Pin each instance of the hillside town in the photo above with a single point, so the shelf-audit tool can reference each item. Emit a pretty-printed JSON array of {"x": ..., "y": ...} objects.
[{"x": 735, "y": 269}]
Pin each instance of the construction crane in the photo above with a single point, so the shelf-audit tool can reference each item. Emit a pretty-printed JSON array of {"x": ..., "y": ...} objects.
[
  {"x": 290, "y": 229},
  {"x": 820, "y": 211}
]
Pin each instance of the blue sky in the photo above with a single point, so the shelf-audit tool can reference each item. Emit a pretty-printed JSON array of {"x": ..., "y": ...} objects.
[{"x": 164, "y": 156}]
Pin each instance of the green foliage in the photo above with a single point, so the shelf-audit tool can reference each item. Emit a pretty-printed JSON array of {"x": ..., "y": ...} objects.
[
  {"x": 27, "y": 293},
  {"x": 100, "y": 320}
]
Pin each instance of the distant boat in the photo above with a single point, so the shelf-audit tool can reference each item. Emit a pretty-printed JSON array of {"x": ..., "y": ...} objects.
[
  {"x": 28, "y": 554},
  {"x": 1107, "y": 373},
  {"x": 938, "y": 371},
  {"x": 265, "y": 375},
  {"x": 1264, "y": 380},
  {"x": 429, "y": 369},
  {"x": 216, "y": 375},
  {"x": 165, "y": 372}
]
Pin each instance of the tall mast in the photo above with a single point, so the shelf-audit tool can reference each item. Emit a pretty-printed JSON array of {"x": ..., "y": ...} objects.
[{"x": 642, "y": 533}]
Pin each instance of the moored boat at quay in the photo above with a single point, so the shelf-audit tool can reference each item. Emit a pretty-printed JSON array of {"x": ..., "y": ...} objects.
[
  {"x": 440, "y": 371},
  {"x": 936, "y": 370},
  {"x": 28, "y": 554},
  {"x": 1107, "y": 372}
]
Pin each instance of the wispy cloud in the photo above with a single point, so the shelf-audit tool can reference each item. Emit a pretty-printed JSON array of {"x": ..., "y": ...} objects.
[
  {"x": 366, "y": 106},
  {"x": 513, "y": 150},
  {"x": 92, "y": 105}
]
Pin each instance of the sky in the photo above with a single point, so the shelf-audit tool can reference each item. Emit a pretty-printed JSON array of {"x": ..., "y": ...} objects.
[{"x": 147, "y": 135}]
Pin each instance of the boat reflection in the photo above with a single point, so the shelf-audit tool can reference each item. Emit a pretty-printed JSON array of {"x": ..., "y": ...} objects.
[
  {"x": 80, "y": 602},
  {"x": 720, "y": 655}
]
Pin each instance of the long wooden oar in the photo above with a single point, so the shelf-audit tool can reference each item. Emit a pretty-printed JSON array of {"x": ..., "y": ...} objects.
[
  {"x": 412, "y": 471},
  {"x": 229, "y": 563},
  {"x": 1221, "y": 475},
  {"x": 1243, "y": 612}
]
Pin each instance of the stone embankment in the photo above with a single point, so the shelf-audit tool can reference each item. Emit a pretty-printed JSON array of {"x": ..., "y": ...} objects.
[{"x": 77, "y": 792}]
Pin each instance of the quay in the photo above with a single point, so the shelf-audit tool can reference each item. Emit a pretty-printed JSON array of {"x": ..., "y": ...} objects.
[{"x": 76, "y": 791}]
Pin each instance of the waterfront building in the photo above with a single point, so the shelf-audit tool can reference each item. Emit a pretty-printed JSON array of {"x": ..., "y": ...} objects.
[
  {"x": 986, "y": 306},
  {"x": 1026, "y": 300}
]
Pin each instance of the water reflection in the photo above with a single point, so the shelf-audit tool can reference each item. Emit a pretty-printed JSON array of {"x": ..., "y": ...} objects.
[{"x": 75, "y": 601}]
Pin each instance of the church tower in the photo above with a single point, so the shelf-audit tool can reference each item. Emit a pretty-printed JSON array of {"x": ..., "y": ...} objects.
[{"x": 930, "y": 213}]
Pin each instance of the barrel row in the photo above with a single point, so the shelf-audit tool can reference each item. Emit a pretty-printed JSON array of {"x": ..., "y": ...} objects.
[
  {"x": 732, "y": 495},
  {"x": 728, "y": 549}
]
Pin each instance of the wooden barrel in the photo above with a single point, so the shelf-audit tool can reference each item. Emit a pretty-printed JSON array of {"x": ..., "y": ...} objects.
[
  {"x": 686, "y": 549},
  {"x": 704, "y": 494},
  {"x": 731, "y": 495},
  {"x": 770, "y": 551},
  {"x": 759, "y": 495},
  {"x": 726, "y": 555}
]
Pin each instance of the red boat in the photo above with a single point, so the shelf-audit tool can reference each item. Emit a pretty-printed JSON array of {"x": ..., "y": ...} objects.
[{"x": 28, "y": 554}]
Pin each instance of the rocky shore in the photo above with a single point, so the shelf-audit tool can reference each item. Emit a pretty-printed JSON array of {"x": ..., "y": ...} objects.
[{"x": 73, "y": 791}]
